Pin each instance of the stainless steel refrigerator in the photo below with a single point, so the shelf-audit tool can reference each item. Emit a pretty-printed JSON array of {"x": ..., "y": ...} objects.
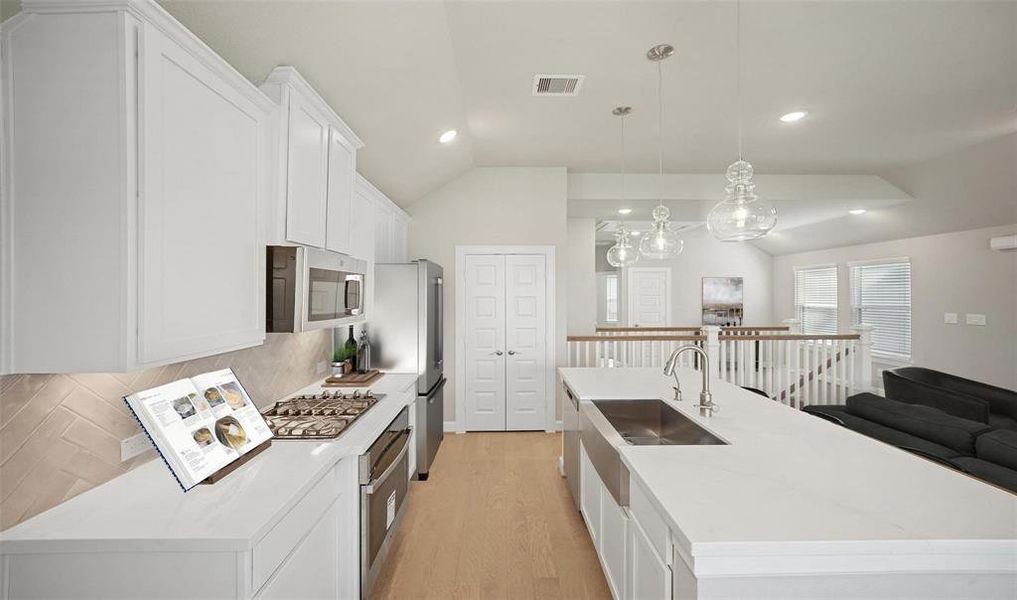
[{"x": 406, "y": 335}]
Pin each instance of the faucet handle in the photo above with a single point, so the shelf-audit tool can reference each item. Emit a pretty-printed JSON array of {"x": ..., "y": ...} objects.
[
  {"x": 677, "y": 394},
  {"x": 706, "y": 409}
]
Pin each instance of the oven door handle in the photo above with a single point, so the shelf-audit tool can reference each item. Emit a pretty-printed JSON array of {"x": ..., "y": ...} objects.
[{"x": 369, "y": 488}]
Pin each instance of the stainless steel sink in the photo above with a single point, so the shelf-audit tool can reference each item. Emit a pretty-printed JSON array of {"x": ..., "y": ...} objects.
[{"x": 654, "y": 423}]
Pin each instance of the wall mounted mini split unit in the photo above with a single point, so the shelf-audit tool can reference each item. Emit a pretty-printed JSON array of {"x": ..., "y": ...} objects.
[{"x": 1004, "y": 242}]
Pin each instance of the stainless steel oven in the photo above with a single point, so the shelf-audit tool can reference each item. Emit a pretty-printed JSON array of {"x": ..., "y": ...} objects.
[
  {"x": 310, "y": 288},
  {"x": 384, "y": 481}
]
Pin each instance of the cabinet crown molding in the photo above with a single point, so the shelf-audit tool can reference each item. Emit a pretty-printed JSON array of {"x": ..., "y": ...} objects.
[
  {"x": 287, "y": 75},
  {"x": 150, "y": 12}
]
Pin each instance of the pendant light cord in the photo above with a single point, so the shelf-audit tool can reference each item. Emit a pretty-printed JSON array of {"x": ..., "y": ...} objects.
[
  {"x": 623, "y": 161},
  {"x": 660, "y": 132},
  {"x": 738, "y": 70}
]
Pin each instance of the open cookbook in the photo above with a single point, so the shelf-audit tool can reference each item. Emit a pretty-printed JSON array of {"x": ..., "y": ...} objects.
[{"x": 201, "y": 424}]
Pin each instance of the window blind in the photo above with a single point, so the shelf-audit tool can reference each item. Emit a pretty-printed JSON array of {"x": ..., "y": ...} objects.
[
  {"x": 881, "y": 297},
  {"x": 816, "y": 299}
]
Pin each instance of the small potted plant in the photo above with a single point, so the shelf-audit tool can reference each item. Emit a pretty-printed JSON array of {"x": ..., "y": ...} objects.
[{"x": 342, "y": 360}]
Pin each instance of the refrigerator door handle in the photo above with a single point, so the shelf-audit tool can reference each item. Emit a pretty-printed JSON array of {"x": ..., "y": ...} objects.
[{"x": 439, "y": 352}]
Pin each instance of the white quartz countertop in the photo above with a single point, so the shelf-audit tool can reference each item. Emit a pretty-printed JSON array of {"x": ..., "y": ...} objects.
[
  {"x": 146, "y": 507},
  {"x": 789, "y": 485}
]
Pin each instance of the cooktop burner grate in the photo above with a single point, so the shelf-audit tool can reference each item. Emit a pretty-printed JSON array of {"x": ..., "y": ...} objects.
[{"x": 318, "y": 416}]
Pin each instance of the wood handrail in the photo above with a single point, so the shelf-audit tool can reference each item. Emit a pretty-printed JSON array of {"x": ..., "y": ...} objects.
[
  {"x": 636, "y": 338},
  {"x": 792, "y": 336},
  {"x": 689, "y": 328},
  {"x": 722, "y": 337}
]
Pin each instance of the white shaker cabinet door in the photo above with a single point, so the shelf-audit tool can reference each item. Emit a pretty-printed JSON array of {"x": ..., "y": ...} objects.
[
  {"x": 203, "y": 168},
  {"x": 400, "y": 231},
  {"x": 362, "y": 227},
  {"x": 384, "y": 226},
  {"x": 342, "y": 168},
  {"x": 306, "y": 173},
  {"x": 312, "y": 571},
  {"x": 649, "y": 578}
]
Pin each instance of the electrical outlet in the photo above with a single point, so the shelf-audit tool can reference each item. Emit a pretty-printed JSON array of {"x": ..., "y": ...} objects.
[
  {"x": 975, "y": 319},
  {"x": 322, "y": 367},
  {"x": 134, "y": 445},
  {"x": 950, "y": 318}
]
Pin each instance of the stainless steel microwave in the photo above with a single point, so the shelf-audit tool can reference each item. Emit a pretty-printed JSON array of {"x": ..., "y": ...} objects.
[{"x": 310, "y": 288}]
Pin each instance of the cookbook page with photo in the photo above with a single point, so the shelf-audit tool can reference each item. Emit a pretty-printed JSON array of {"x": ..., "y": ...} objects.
[{"x": 238, "y": 424}]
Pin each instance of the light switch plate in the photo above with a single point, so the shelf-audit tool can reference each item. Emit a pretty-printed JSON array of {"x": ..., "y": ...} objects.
[
  {"x": 950, "y": 318},
  {"x": 975, "y": 319},
  {"x": 134, "y": 445}
]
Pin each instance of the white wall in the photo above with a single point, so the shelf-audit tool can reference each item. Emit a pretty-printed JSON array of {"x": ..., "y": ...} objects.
[
  {"x": 705, "y": 256},
  {"x": 950, "y": 272},
  {"x": 491, "y": 206},
  {"x": 581, "y": 278}
]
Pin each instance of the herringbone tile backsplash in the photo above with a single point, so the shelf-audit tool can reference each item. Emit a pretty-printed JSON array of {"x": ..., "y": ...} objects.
[{"x": 60, "y": 433}]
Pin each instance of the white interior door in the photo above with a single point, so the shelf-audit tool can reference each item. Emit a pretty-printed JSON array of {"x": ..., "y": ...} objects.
[
  {"x": 485, "y": 342},
  {"x": 649, "y": 291},
  {"x": 525, "y": 335}
]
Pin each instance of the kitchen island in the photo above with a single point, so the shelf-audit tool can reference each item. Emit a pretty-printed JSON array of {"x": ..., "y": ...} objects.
[
  {"x": 790, "y": 506},
  {"x": 286, "y": 524}
]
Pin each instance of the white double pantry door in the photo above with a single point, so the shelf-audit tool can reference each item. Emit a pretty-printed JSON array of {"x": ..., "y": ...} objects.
[{"x": 506, "y": 324}]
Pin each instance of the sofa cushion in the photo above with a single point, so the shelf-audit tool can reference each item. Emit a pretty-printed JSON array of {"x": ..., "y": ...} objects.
[
  {"x": 882, "y": 433},
  {"x": 998, "y": 447},
  {"x": 1001, "y": 421},
  {"x": 922, "y": 421},
  {"x": 987, "y": 471}
]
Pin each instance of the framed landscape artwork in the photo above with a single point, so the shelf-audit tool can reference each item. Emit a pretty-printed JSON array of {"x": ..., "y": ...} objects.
[{"x": 722, "y": 301}]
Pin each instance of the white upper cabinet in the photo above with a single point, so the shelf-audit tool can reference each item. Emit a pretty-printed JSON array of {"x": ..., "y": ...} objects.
[
  {"x": 342, "y": 167},
  {"x": 306, "y": 173},
  {"x": 316, "y": 164},
  {"x": 139, "y": 163}
]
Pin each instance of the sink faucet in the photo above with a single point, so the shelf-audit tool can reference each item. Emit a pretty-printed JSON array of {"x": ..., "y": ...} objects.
[{"x": 706, "y": 406}]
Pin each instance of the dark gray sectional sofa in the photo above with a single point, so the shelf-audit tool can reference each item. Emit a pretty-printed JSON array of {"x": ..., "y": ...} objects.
[{"x": 969, "y": 446}]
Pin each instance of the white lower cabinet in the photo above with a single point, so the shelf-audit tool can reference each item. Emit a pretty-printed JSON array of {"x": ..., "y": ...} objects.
[
  {"x": 608, "y": 524},
  {"x": 649, "y": 577},
  {"x": 633, "y": 543},
  {"x": 310, "y": 571}
]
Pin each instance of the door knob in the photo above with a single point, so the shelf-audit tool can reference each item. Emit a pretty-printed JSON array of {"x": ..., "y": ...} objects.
[
  {"x": 498, "y": 352},
  {"x": 512, "y": 352}
]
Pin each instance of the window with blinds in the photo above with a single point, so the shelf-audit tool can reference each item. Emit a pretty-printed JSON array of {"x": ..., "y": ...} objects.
[
  {"x": 611, "y": 298},
  {"x": 816, "y": 299},
  {"x": 881, "y": 297}
]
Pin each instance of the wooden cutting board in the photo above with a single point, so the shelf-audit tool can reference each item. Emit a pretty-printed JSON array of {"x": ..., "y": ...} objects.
[{"x": 354, "y": 379}]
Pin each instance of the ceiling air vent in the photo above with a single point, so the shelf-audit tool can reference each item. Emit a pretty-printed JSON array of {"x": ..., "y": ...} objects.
[{"x": 557, "y": 85}]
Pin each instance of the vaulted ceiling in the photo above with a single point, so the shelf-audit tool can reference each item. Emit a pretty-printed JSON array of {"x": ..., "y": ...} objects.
[{"x": 886, "y": 84}]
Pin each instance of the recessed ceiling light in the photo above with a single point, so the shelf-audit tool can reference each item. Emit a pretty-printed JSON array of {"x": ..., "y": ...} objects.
[
  {"x": 791, "y": 117},
  {"x": 857, "y": 211},
  {"x": 624, "y": 211},
  {"x": 448, "y": 136}
]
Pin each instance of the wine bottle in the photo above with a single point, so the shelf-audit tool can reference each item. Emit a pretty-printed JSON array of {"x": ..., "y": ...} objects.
[{"x": 351, "y": 347}]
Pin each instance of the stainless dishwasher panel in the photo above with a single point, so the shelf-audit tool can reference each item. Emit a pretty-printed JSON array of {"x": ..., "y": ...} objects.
[{"x": 570, "y": 442}]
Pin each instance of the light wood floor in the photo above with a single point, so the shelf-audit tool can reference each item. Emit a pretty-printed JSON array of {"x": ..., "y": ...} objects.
[{"x": 495, "y": 520}]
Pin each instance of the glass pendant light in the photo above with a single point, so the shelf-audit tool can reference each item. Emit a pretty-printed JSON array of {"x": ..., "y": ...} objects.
[
  {"x": 660, "y": 241},
  {"x": 622, "y": 254},
  {"x": 741, "y": 216}
]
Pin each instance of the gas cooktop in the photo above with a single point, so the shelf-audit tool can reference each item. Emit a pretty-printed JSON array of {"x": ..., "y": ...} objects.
[{"x": 324, "y": 415}]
